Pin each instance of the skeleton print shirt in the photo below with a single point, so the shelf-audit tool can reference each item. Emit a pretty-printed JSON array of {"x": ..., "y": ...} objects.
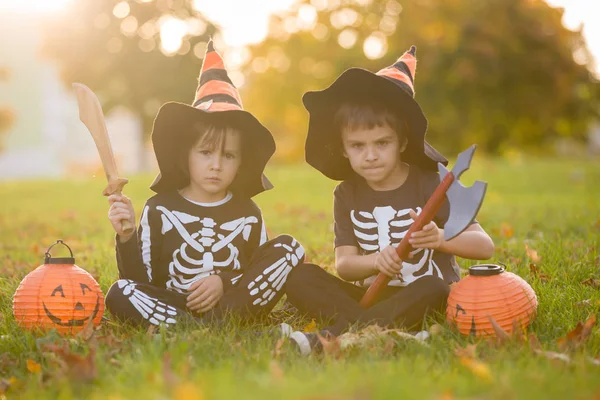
[
  {"x": 372, "y": 220},
  {"x": 180, "y": 241}
]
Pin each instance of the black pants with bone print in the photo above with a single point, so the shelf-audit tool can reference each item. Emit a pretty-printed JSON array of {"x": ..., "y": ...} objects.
[
  {"x": 315, "y": 292},
  {"x": 256, "y": 293}
]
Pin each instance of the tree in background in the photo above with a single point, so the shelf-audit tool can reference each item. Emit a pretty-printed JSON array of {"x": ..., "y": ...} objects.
[
  {"x": 121, "y": 50},
  {"x": 6, "y": 115},
  {"x": 504, "y": 74}
]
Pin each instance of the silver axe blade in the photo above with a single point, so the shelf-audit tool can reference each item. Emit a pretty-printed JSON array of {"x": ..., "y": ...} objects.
[{"x": 465, "y": 202}]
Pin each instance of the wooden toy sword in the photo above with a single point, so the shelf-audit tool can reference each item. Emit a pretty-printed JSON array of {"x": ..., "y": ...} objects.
[
  {"x": 90, "y": 113},
  {"x": 464, "y": 206}
]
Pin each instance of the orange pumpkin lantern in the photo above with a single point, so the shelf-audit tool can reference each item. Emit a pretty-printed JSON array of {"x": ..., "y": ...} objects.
[
  {"x": 59, "y": 295},
  {"x": 490, "y": 291}
]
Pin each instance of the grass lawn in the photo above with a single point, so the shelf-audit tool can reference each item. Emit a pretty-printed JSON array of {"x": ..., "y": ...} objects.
[{"x": 551, "y": 206}]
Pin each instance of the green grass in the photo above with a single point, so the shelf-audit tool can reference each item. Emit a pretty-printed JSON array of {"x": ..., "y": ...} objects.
[{"x": 552, "y": 206}]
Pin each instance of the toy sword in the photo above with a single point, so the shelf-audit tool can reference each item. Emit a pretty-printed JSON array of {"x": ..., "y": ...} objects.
[{"x": 90, "y": 113}]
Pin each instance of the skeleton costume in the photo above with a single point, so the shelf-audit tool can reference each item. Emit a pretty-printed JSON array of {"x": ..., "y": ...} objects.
[
  {"x": 180, "y": 242},
  {"x": 372, "y": 220}
]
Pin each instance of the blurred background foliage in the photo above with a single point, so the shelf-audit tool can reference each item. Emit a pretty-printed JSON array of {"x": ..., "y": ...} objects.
[{"x": 505, "y": 74}]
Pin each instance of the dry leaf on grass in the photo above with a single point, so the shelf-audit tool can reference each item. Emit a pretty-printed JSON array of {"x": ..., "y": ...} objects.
[
  {"x": 331, "y": 345},
  {"x": 535, "y": 273},
  {"x": 278, "y": 352},
  {"x": 76, "y": 366},
  {"x": 33, "y": 367},
  {"x": 506, "y": 230},
  {"x": 478, "y": 368},
  {"x": 579, "y": 335},
  {"x": 532, "y": 254},
  {"x": 595, "y": 283},
  {"x": 169, "y": 377},
  {"x": 311, "y": 327},
  {"x": 276, "y": 371}
]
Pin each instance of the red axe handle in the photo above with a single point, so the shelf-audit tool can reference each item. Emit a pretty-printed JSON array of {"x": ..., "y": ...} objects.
[{"x": 429, "y": 211}]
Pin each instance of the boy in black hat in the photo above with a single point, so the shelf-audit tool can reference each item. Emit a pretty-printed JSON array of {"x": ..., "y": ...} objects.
[
  {"x": 201, "y": 249},
  {"x": 368, "y": 131}
]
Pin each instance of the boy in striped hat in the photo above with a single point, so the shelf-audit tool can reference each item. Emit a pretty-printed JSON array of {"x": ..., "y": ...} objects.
[
  {"x": 368, "y": 131},
  {"x": 201, "y": 249}
]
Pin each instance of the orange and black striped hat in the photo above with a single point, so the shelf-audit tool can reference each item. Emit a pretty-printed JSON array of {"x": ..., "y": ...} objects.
[
  {"x": 391, "y": 87},
  {"x": 216, "y": 102}
]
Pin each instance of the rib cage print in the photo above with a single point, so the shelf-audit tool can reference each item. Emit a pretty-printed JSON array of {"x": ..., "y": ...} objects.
[
  {"x": 385, "y": 226},
  {"x": 205, "y": 248}
]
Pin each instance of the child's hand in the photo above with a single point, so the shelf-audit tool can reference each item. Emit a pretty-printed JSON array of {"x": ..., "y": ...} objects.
[
  {"x": 121, "y": 209},
  {"x": 387, "y": 262},
  {"x": 430, "y": 237},
  {"x": 205, "y": 294}
]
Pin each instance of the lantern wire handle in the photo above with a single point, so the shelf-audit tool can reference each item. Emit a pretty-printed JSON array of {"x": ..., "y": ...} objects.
[{"x": 48, "y": 255}]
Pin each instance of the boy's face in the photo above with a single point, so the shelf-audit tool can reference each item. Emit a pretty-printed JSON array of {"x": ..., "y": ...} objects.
[
  {"x": 373, "y": 153},
  {"x": 213, "y": 168}
]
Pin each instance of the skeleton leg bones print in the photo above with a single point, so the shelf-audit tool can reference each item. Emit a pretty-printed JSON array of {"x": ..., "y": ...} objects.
[{"x": 253, "y": 295}]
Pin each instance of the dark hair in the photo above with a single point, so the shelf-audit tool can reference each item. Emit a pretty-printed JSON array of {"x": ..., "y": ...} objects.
[
  {"x": 356, "y": 115},
  {"x": 210, "y": 135}
]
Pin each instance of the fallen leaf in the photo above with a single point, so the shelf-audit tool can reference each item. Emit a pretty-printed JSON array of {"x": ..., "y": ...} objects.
[
  {"x": 331, "y": 345},
  {"x": 551, "y": 355},
  {"x": 506, "y": 230},
  {"x": 187, "y": 391},
  {"x": 389, "y": 346},
  {"x": 6, "y": 384},
  {"x": 168, "y": 376},
  {"x": 78, "y": 367},
  {"x": 478, "y": 368},
  {"x": 532, "y": 254},
  {"x": 502, "y": 336},
  {"x": 277, "y": 352},
  {"x": 88, "y": 330},
  {"x": 535, "y": 273},
  {"x": 595, "y": 283},
  {"x": 276, "y": 371},
  {"x": 151, "y": 330},
  {"x": 311, "y": 327},
  {"x": 469, "y": 351},
  {"x": 579, "y": 335},
  {"x": 33, "y": 367},
  {"x": 435, "y": 329},
  {"x": 534, "y": 342},
  {"x": 517, "y": 333},
  {"x": 584, "y": 303}
]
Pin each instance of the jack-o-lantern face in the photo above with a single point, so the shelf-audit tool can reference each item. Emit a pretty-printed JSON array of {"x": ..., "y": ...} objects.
[
  {"x": 79, "y": 310},
  {"x": 58, "y": 296}
]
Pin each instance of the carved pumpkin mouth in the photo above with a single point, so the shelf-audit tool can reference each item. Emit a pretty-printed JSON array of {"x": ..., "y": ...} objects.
[{"x": 73, "y": 322}]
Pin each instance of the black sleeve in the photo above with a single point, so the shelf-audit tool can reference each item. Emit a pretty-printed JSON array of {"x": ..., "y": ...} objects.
[
  {"x": 230, "y": 278},
  {"x": 342, "y": 224},
  {"x": 136, "y": 257}
]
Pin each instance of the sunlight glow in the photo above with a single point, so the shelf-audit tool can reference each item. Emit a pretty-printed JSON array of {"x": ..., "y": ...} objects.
[{"x": 29, "y": 6}]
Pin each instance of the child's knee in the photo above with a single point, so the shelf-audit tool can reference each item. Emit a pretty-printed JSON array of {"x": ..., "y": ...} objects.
[
  {"x": 116, "y": 294},
  {"x": 291, "y": 248},
  {"x": 436, "y": 287}
]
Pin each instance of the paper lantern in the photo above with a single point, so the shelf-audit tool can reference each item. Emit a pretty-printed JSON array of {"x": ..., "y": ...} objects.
[
  {"x": 58, "y": 294},
  {"x": 490, "y": 291}
]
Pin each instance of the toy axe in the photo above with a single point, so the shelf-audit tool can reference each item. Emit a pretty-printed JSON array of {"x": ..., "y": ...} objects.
[
  {"x": 464, "y": 205},
  {"x": 90, "y": 113}
]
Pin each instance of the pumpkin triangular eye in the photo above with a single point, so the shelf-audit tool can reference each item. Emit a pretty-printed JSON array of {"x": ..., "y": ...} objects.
[
  {"x": 58, "y": 289},
  {"x": 84, "y": 287}
]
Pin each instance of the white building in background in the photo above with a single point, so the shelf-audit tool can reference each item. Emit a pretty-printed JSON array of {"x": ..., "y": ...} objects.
[{"x": 47, "y": 139}]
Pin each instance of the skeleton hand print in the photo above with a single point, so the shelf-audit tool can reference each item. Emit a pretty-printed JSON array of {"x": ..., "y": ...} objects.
[
  {"x": 154, "y": 311},
  {"x": 265, "y": 286},
  {"x": 384, "y": 227}
]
